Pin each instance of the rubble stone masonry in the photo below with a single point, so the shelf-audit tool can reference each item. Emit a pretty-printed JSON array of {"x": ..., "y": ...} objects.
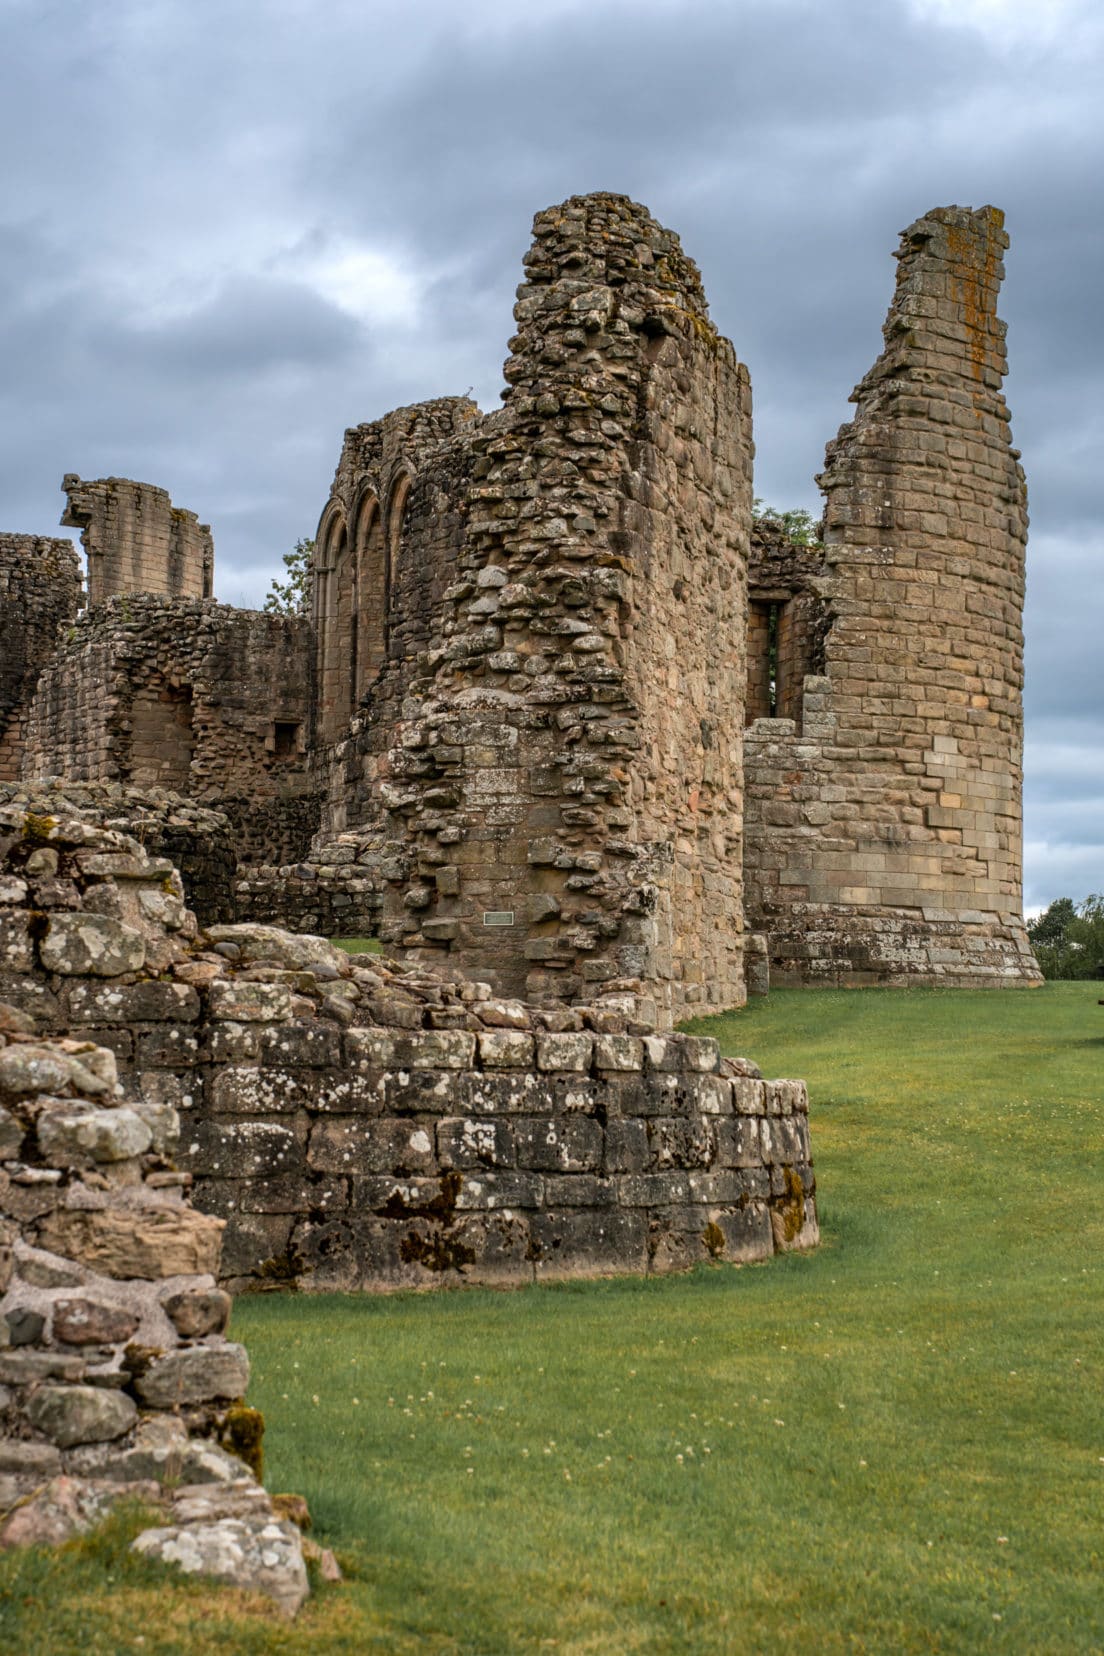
[
  {"x": 188, "y": 696},
  {"x": 40, "y": 590},
  {"x": 546, "y": 765},
  {"x": 884, "y": 806}
]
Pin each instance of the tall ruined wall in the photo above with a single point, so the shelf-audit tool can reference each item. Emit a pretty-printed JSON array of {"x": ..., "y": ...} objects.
[
  {"x": 546, "y": 762},
  {"x": 137, "y": 540},
  {"x": 188, "y": 696},
  {"x": 884, "y": 820},
  {"x": 40, "y": 589}
]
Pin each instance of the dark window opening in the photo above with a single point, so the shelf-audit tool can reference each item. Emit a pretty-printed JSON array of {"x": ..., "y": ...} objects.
[
  {"x": 774, "y": 616},
  {"x": 285, "y": 738}
]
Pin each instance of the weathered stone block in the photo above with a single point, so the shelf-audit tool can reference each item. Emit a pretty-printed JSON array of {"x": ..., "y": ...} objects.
[
  {"x": 240, "y": 1149},
  {"x": 571, "y": 1145},
  {"x": 424, "y": 1049},
  {"x": 88, "y": 1321},
  {"x": 132, "y": 1003},
  {"x": 738, "y": 1143},
  {"x": 233, "y": 1001},
  {"x": 145, "y": 1243},
  {"x": 577, "y": 1243},
  {"x": 467, "y": 1143},
  {"x": 302, "y": 1044},
  {"x": 195, "y": 1312},
  {"x": 92, "y": 945},
  {"x": 506, "y": 1049},
  {"x": 72, "y": 1134},
  {"x": 195, "y": 1374},
  {"x": 618, "y": 1052},
  {"x": 567, "y": 1051},
  {"x": 68, "y": 1415},
  {"x": 248, "y": 1090},
  {"x": 350, "y": 1146}
]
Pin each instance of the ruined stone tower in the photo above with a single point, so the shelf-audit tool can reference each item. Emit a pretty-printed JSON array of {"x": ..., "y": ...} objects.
[
  {"x": 883, "y": 805},
  {"x": 542, "y": 613}
]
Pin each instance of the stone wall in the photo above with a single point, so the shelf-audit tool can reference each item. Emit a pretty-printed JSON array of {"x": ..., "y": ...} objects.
[
  {"x": 116, "y": 1378},
  {"x": 547, "y": 756},
  {"x": 40, "y": 590},
  {"x": 137, "y": 541},
  {"x": 200, "y": 843},
  {"x": 191, "y": 697},
  {"x": 883, "y": 815},
  {"x": 361, "y": 1122}
]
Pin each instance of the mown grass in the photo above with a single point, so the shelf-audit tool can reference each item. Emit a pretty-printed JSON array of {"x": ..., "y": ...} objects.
[
  {"x": 359, "y": 945},
  {"x": 893, "y": 1444}
]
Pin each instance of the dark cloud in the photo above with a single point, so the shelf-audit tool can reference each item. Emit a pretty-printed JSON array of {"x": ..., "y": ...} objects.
[{"x": 188, "y": 189}]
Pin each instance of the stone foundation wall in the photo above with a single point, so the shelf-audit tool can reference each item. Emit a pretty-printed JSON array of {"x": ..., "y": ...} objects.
[
  {"x": 883, "y": 815},
  {"x": 364, "y": 1123},
  {"x": 40, "y": 591},
  {"x": 192, "y": 697}
]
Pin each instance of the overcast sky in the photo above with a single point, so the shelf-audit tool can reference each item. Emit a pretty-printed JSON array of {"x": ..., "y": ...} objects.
[{"x": 231, "y": 228}]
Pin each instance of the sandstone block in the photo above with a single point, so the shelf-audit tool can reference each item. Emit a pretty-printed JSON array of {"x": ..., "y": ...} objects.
[
  {"x": 74, "y": 1134},
  {"x": 506, "y": 1049},
  {"x": 194, "y": 1374},
  {"x": 81, "y": 1414},
  {"x": 195, "y": 1312},
  {"x": 245, "y": 1002},
  {"x": 87, "y": 1321},
  {"x": 26, "y": 1070},
  {"x": 567, "y": 1051},
  {"x": 11, "y": 1135},
  {"x": 131, "y": 1003},
  {"x": 94, "y": 945},
  {"x": 618, "y": 1052},
  {"x": 128, "y": 1243},
  {"x": 262, "y": 1555}
]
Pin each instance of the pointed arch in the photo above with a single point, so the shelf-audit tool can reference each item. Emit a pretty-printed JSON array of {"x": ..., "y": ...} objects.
[
  {"x": 397, "y": 499},
  {"x": 373, "y": 582},
  {"x": 333, "y": 605}
]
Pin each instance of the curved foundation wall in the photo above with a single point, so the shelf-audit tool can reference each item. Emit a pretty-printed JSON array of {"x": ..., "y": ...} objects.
[{"x": 361, "y": 1123}]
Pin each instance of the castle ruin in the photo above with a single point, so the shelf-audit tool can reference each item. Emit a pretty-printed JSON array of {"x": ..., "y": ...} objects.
[{"x": 564, "y": 717}]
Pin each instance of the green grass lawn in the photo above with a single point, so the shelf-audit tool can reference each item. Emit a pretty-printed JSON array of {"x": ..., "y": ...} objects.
[{"x": 893, "y": 1444}]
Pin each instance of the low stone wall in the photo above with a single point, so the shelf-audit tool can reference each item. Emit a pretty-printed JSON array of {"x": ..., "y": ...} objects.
[
  {"x": 199, "y": 842},
  {"x": 116, "y": 1378},
  {"x": 364, "y": 1124}
]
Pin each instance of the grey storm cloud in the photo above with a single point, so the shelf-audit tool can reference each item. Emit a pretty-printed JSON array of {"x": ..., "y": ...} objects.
[{"x": 230, "y": 228}]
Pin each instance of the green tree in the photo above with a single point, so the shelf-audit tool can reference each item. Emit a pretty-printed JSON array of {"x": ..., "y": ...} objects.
[
  {"x": 799, "y": 525},
  {"x": 291, "y": 596},
  {"x": 1068, "y": 938}
]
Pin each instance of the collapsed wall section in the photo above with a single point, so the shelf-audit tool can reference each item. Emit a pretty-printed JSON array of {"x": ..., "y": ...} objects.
[
  {"x": 189, "y": 697},
  {"x": 137, "y": 541},
  {"x": 545, "y": 770},
  {"x": 884, "y": 812},
  {"x": 40, "y": 590}
]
